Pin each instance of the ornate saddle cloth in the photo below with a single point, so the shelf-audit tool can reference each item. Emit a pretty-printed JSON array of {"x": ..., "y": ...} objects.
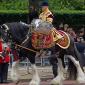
[
  {"x": 64, "y": 42},
  {"x": 42, "y": 40}
]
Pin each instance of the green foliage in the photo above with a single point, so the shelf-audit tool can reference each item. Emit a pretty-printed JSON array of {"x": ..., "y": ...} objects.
[
  {"x": 67, "y": 4},
  {"x": 57, "y": 6},
  {"x": 14, "y": 5},
  {"x": 54, "y": 4},
  {"x": 67, "y": 11},
  {"x": 13, "y": 11},
  {"x": 77, "y": 4}
]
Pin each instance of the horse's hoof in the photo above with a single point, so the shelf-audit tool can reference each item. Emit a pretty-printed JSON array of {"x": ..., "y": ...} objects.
[
  {"x": 81, "y": 81},
  {"x": 54, "y": 82},
  {"x": 34, "y": 83},
  {"x": 17, "y": 82}
]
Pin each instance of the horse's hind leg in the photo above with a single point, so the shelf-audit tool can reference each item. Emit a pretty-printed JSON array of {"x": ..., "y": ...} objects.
[
  {"x": 14, "y": 72},
  {"x": 80, "y": 73}
]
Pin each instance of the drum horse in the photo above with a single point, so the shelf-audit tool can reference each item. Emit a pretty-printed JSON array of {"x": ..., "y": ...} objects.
[{"x": 28, "y": 38}]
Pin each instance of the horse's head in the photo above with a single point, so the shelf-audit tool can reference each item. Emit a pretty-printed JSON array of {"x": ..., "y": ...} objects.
[
  {"x": 4, "y": 29},
  {"x": 15, "y": 31}
]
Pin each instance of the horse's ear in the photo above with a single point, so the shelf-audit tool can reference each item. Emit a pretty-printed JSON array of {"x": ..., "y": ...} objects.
[{"x": 3, "y": 27}]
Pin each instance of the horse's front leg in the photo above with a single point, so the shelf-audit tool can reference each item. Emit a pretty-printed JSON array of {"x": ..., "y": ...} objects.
[
  {"x": 80, "y": 73},
  {"x": 14, "y": 72},
  {"x": 58, "y": 80},
  {"x": 35, "y": 79}
]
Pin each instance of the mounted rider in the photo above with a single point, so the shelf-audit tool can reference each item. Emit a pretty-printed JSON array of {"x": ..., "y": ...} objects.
[{"x": 47, "y": 15}]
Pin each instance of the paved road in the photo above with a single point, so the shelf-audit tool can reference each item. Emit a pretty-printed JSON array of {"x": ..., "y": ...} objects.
[
  {"x": 45, "y": 74},
  {"x": 46, "y": 83}
]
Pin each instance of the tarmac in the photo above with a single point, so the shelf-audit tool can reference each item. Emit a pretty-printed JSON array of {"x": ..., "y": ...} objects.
[{"x": 45, "y": 74}]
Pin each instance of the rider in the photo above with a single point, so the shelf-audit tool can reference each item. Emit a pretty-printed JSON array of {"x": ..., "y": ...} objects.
[{"x": 47, "y": 15}]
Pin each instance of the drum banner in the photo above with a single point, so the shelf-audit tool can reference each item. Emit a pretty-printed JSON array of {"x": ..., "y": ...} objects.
[{"x": 41, "y": 40}]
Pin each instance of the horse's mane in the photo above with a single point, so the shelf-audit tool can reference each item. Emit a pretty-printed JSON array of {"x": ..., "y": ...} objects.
[{"x": 18, "y": 31}]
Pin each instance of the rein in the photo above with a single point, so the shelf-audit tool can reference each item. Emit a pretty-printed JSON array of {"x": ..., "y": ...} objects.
[
  {"x": 40, "y": 53},
  {"x": 26, "y": 48}
]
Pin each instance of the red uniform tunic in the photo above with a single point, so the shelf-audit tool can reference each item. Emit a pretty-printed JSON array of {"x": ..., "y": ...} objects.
[{"x": 6, "y": 57}]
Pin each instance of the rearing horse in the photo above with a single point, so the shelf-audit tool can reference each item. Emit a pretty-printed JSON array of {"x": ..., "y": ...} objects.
[{"x": 20, "y": 34}]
